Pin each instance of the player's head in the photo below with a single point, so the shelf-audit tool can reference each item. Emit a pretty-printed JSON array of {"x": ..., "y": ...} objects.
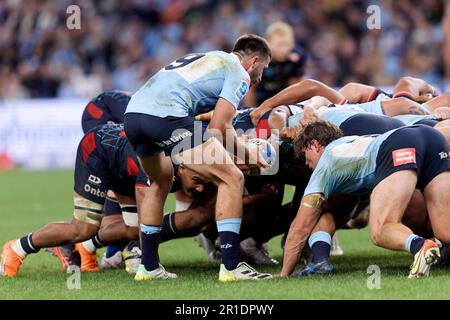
[
  {"x": 254, "y": 53},
  {"x": 312, "y": 140},
  {"x": 280, "y": 36},
  {"x": 191, "y": 182}
]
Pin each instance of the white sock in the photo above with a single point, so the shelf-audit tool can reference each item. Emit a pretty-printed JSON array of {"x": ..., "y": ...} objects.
[
  {"x": 17, "y": 248},
  {"x": 89, "y": 246}
]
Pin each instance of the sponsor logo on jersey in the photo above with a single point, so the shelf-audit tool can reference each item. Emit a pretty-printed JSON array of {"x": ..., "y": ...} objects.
[
  {"x": 94, "y": 191},
  {"x": 242, "y": 90},
  {"x": 404, "y": 156},
  {"x": 94, "y": 180}
]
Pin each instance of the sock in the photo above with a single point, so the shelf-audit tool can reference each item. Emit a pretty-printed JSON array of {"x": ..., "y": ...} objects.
[
  {"x": 24, "y": 246},
  {"x": 149, "y": 246},
  {"x": 229, "y": 241},
  {"x": 414, "y": 243},
  {"x": 93, "y": 244},
  {"x": 112, "y": 250},
  {"x": 320, "y": 244},
  {"x": 168, "y": 228}
]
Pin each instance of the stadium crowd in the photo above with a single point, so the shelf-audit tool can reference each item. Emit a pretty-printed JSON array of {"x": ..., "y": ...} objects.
[{"x": 120, "y": 43}]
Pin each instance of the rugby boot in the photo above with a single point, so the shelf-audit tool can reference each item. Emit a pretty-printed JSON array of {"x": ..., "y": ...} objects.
[
  {"x": 10, "y": 262},
  {"x": 323, "y": 267},
  {"x": 423, "y": 260},
  {"x": 242, "y": 272},
  {"x": 159, "y": 273},
  {"x": 88, "y": 259}
]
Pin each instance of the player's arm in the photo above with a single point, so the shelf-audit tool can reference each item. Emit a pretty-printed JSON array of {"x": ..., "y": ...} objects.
[
  {"x": 417, "y": 89},
  {"x": 221, "y": 127},
  {"x": 207, "y": 116},
  {"x": 401, "y": 105},
  {"x": 307, "y": 217},
  {"x": 357, "y": 92},
  {"x": 300, "y": 91},
  {"x": 317, "y": 102}
]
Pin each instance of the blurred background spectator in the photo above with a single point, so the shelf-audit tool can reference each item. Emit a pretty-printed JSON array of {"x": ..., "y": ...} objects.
[{"x": 122, "y": 43}]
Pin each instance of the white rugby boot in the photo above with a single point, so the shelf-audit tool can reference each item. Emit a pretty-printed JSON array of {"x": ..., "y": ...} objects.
[
  {"x": 423, "y": 260},
  {"x": 242, "y": 272},
  {"x": 160, "y": 273}
]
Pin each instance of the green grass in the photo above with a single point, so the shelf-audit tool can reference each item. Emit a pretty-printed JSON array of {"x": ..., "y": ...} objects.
[{"x": 28, "y": 200}]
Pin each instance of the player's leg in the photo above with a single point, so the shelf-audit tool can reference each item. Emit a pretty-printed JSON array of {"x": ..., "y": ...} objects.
[
  {"x": 388, "y": 202},
  {"x": 217, "y": 166},
  {"x": 87, "y": 217},
  {"x": 438, "y": 204},
  {"x": 159, "y": 169}
]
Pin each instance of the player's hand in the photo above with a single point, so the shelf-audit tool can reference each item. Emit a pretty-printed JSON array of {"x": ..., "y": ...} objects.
[
  {"x": 255, "y": 157},
  {"x": 309, "y": 115},
  {"x": 423, "y": 97},
  {"x": 442, "y": 113},
  {"x": 278, "y": 275},
  {"x": 257, "y": 113}
]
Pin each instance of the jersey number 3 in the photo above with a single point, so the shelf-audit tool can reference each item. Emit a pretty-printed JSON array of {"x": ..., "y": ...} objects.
[{"x": 184, "y": 61}]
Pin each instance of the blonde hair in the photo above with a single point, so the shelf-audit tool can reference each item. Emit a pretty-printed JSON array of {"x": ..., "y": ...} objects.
[{"x": 280, "y": 28}]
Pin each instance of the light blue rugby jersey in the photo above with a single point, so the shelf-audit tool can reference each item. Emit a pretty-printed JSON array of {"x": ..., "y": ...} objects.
[
  {"x": 336, "y": 115},
  {"x": 347, "y": 166},
  {"x": 192, "y": 85},
  {"x": 374, "y": 106},
  {"x": 410, "y": 119}
]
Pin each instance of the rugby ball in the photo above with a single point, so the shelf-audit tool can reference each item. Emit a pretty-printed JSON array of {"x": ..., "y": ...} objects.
[{"x": 266, "y": 150}]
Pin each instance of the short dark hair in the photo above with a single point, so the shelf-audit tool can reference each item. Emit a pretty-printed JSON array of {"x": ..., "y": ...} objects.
[
  {"x": 323, "y": 131},
  {"x": 249, "y": 44}
]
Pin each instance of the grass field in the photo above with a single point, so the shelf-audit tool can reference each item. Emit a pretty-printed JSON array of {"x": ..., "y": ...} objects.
[{"x": 28, "y": 200}]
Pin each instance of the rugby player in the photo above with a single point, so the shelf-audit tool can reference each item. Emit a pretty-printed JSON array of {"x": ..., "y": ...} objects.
[
  {"x": 390, "y": 166},
  {"x": 105, "y": 161},
  {"x": 107, "y": 107},
  {"x": 169, "y": 101}
]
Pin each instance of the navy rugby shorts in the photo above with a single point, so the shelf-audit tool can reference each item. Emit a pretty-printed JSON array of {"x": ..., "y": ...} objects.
[{"x": 417, "y": 147}]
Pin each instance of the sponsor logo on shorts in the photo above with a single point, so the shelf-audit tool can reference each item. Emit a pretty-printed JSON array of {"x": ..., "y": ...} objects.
[
  {"x": 174, "y": 139},
  {"x": 404, "y": 156},
  {"x": 444, "y": 155},
  {"x": 94, "y": 191},
  {"x": 94, "y": 180}
]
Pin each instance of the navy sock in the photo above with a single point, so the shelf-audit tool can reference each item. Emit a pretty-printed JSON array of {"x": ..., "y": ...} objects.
[
  {"x": 149, "y": 246},
  {"x": 320, "y": 244},
  {"x": 414, "y": 243},
  {"x": 320, "y": 251},
  {"x": 229, "y": 241},
  {"x": 27, "y": 244},
  {"x": 112, "y": 250},
  {"x": 168, "y": 228},
  {"x": 97, "y": 242}
]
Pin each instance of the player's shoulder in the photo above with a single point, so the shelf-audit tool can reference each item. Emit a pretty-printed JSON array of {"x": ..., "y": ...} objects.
[{"x": 230, "y": 61}]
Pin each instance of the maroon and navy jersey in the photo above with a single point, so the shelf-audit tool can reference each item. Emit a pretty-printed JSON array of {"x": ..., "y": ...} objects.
[
  {"x": 106, "y": 161},
  {"x": 107, "y": 107}
]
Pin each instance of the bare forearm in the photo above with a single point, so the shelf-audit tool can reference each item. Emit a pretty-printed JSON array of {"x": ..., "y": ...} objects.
[{"x": 303, "y": 90}]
